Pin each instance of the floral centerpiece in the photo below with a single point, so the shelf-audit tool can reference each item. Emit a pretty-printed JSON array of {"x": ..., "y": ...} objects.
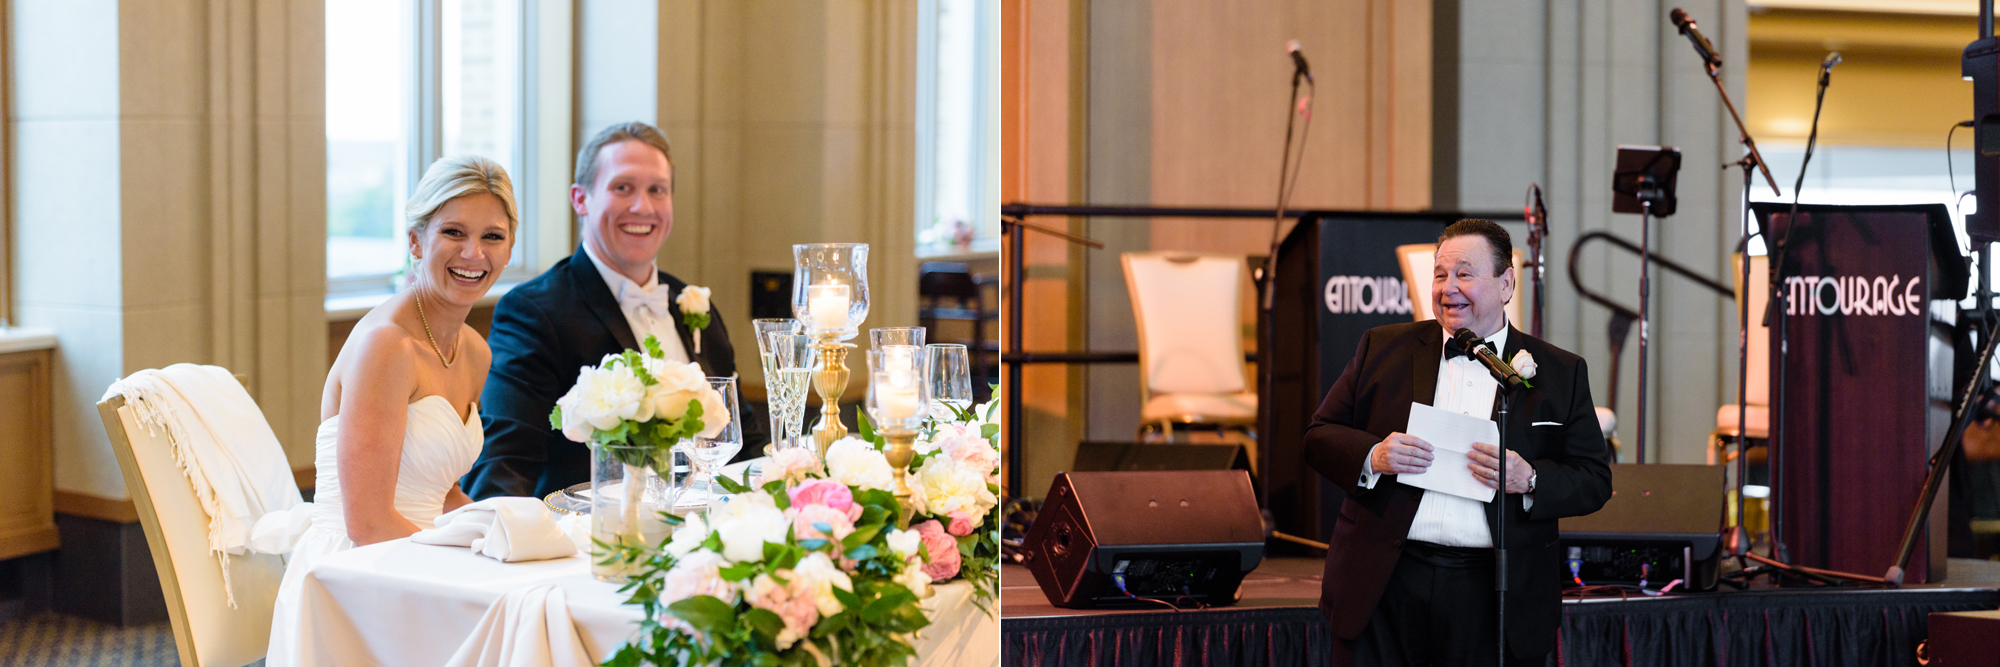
[
  {"x": 806, "y": 568},
  {"x": 954, "y": 493},
  {"x": 632, "y": 409}
]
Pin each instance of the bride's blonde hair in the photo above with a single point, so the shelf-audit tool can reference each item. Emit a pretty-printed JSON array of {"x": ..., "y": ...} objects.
[{"x": 453, "y": 177}]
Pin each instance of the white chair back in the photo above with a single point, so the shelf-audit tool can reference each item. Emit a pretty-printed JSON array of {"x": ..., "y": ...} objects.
[
  {"x": 1417, "y": 260},
  {"x": 1758, "y": 384},
  {"x": 1187, "y": 308},
  {"x": 207, "y": 632}
]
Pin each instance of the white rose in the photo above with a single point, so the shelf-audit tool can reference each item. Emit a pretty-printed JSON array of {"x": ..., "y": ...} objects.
[
  {"x": 821, "y": 576},
  {"x": 676, "y": 376},
  {"x": 950, "y": 487},
  {"x": 914, "y": 578},
  {"x": 905, "y": 543},
  {"x": 745, "y": 522},
  {"x": 688, "y": 536},
  {"x": 603, "y": 397},
  {"x": 857, "y": 464},
  {"x": 714, "y": 413},
  {"x": 1524, "y": 364},
  {"x": 693, "y": 299}
]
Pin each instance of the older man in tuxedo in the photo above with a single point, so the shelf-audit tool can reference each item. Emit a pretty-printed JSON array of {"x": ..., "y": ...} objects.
[
  {"x": 1410, "y": 574},
  {"x": 605, "y": 298}
]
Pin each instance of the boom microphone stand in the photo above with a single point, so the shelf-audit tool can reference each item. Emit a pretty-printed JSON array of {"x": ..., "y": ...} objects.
[{"x": 1752, "y": 161}]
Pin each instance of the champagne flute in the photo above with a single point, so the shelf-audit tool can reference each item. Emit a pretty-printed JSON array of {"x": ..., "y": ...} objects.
[
  {"x": 795, "y": 357},
  {"x": 950, "y": 377},
  {"x": 768, "y": 331}
]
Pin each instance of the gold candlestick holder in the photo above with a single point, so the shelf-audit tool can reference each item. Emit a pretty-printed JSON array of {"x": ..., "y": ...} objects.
[
  {"x": 831, "y": 381},
  {"x": 900, "y": 450}
]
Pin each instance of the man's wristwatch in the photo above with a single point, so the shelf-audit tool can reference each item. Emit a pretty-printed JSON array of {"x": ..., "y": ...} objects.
[{"x": 1531, "y": 480}]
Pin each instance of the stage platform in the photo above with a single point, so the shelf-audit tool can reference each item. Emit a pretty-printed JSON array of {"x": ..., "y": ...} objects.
[{"x": 1278, "y": 623}]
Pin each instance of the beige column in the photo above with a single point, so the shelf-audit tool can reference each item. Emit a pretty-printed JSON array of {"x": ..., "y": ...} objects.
[{"x": 171, "y": 205}]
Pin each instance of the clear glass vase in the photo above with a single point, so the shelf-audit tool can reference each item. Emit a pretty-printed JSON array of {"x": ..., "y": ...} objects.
[{"x": 628, "y": 497}]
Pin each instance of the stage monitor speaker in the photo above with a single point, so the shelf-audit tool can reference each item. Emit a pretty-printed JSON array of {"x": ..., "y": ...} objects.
[
  {"x": 1963, "y": 639},
  {"x": 1113, "y": 538},
  {"x": 1664, "y": 517},
  {"x": 1127, "y": 456}
]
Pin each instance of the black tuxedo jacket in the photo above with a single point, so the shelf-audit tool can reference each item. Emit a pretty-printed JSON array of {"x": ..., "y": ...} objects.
[
  {"x": 544, "y": 331},
  {"x": 1553, "y": 426}
]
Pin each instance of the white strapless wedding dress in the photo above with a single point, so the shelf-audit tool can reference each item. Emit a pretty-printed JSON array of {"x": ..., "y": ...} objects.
[{"x": 438, "y": 449}]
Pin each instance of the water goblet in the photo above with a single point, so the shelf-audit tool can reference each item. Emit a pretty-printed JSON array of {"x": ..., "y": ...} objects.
[
  {"x": 950, "y": 378},
  {"x": 709, "y": 453}
]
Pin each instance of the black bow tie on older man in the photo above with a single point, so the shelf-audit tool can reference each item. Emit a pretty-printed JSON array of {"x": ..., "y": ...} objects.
[{"x": 1452, "y": 350}]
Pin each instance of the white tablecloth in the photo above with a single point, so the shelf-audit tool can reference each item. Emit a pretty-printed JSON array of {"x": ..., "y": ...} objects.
[{"x": 401, "y": 603}]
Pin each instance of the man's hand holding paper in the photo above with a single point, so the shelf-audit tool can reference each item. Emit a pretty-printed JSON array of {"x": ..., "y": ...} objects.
[{"x": 1451, "y": 436}]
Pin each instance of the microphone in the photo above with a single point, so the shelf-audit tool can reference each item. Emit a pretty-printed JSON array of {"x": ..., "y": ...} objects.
[
  {"x": 1299, "y": 66},
  {"x": 1826, "y": 66},
  {"x": 1701, "y": 45},
  {"x": 1471, "y": 343}
]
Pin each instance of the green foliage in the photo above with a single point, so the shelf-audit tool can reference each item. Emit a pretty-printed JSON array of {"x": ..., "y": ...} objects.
[
  {"x": 875, "y": 626},
  {"x": 696, "y": 321}
]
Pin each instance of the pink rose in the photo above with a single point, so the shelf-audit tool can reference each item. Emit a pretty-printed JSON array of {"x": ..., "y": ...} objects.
[
  {"x": 825, "y": 492},
  {"x": 973, "y": 452},
  {"x": 792, "y": 603},
  {"x": 698, "y": 573},
  {"x": 943, "y": 550},
  {"x": 790, "y": 464},
  {"x": 804, "y": 516},
  {"x": 961, "y": 524}
]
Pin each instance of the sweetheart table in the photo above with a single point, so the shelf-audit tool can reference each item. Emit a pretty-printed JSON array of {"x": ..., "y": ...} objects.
[{"x": 402, "y": 603}]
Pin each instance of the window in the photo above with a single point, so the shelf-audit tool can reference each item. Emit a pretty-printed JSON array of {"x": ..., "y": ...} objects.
[
  {"x": 407, "y": 82},
  {"x": 958, "y": 196}
]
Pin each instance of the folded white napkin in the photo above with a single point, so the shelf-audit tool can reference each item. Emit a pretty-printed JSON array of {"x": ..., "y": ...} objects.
[
  {"x": 509, "y": 529},
  {"x": 527, "y": 627},
  {"x": 221, "y": 443}
]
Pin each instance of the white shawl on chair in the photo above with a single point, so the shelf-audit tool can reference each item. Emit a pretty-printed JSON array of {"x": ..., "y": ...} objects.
[{"x": 221, "y": 443}]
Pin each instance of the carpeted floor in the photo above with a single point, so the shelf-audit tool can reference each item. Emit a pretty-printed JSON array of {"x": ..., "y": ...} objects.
[{"x": 52, "y": 640}]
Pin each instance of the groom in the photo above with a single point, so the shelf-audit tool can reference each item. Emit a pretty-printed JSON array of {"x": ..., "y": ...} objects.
[{"x": 605, "y": 298}]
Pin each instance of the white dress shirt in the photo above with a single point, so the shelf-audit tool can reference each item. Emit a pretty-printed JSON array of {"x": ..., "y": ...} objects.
[
  {"x": 1466, "y": 387},
  {"x": 641, "y": 320}
]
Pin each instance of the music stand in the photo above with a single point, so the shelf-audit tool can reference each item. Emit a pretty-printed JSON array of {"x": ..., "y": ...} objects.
[{"x": 1643, "y": 183}]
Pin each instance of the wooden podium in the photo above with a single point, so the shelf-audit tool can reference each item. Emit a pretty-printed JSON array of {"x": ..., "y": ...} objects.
[{"x": 1866, "y": 378}]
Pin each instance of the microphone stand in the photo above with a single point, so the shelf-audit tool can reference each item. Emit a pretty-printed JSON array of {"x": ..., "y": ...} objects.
[
  {"x": 1538, "y": 232},
  {"x": 1500, "y": 527},
  {"x": 1777, "y": 308},
  {"x": 1267, "y": 283},
  {"x": 1752, "y": 161}
]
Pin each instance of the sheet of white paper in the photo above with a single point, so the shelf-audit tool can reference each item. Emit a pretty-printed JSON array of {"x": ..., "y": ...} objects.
[{"x": 1451, "y": 436}]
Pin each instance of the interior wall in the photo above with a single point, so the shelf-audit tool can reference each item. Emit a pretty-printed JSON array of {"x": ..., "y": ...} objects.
[
  {"x": 1183, "y": 103},
  {"x": 1550, "y": 104},
  {"x": 810, "y": 143},
  {"x": 1887, "y": 61},
  {"x": 185, "y": 142}
]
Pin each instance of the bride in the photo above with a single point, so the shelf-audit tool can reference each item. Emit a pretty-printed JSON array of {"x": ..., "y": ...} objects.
[{"x": 399, "y": 425}]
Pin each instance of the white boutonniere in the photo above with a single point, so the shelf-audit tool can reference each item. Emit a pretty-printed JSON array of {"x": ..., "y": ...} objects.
[
  {"x": 1524, "y": 364},
  {"x": 693, "y": 301}
]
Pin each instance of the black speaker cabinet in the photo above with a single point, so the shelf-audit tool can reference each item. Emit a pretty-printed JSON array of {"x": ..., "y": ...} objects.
[
  {"x": 1177, "y": 536},
  {"x": 1665, "y": 517}
]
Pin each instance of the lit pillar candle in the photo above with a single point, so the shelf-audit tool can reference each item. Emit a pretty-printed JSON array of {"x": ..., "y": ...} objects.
[
  {"x": 897, "y": 401},
  {"x": 827, "y": 305}
]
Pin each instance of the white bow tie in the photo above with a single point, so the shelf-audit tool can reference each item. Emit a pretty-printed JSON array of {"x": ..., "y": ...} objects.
[{"x": 652, "y": 302}]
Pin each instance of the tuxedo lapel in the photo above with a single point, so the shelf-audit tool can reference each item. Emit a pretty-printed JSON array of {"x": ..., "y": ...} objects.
[
  {"x": 1424, "y": 367},
  {"x": 596, "y": 297}
]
